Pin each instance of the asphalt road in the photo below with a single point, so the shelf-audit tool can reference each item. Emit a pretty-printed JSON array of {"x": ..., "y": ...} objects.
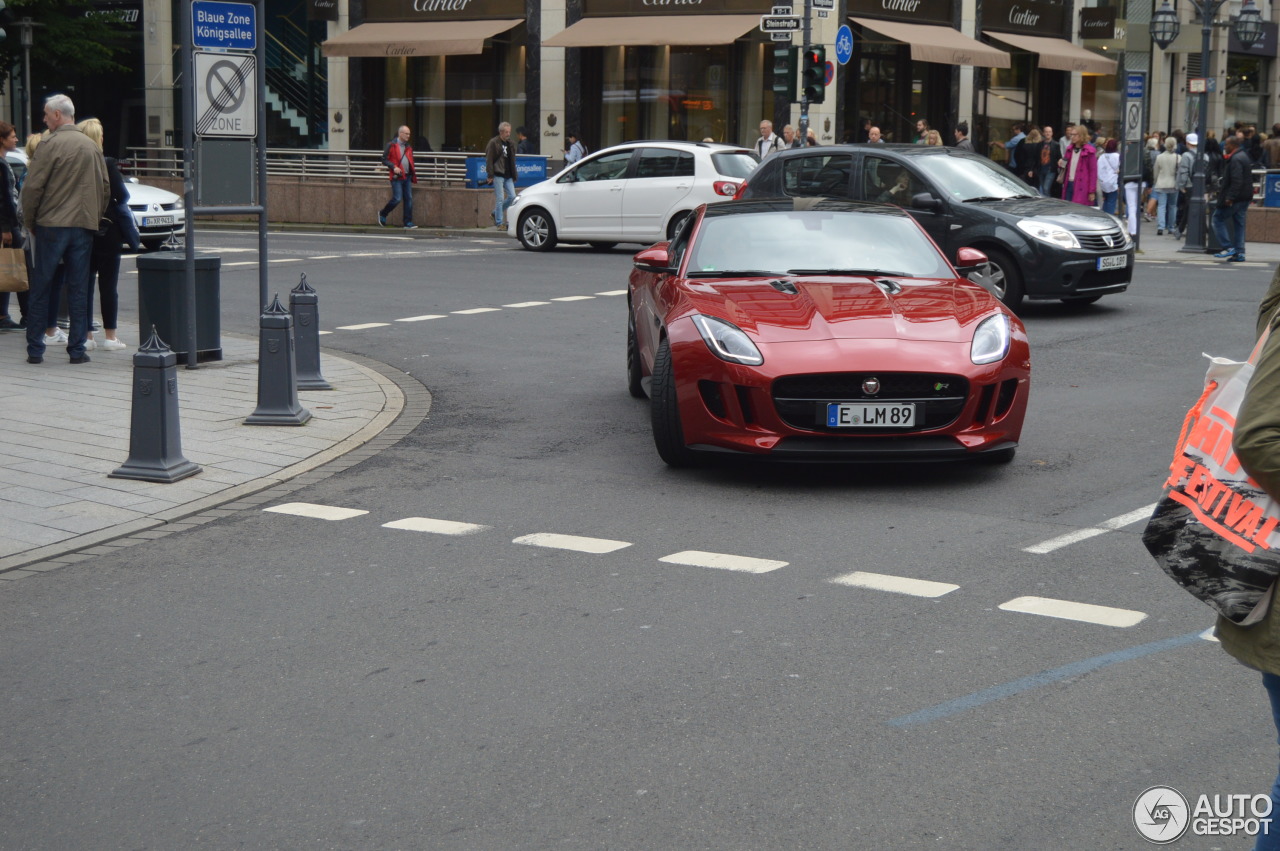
[{"x": 279, "y": 681}]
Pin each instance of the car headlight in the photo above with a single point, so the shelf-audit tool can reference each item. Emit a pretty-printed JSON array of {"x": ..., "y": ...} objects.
[
  {"x": 1052, "y": 234},
  {"x": 727, "y": 341},
  {"x": 991, "y": 340}
]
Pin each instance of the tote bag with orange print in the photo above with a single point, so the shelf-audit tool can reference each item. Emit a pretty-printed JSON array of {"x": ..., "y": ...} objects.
[{"x": 1215, "y": 530}]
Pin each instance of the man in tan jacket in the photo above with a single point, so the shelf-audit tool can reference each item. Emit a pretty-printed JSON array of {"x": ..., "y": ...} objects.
[{"x": 64, "y": 198}]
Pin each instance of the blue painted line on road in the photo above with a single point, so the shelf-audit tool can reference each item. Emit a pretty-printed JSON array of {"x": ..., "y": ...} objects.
[{"x": 1075, "y": 669}]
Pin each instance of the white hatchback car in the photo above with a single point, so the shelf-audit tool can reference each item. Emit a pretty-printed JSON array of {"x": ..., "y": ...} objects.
[
  {"x": 158, "y": 213},
  {"x": 635, "y": 192}
]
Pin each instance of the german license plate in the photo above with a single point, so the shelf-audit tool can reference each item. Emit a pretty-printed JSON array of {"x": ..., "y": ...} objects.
[
  {"x": 1115, "y": 261},
  {"x": 158, "y": 221},
  {"x": 875, "y": 415}
]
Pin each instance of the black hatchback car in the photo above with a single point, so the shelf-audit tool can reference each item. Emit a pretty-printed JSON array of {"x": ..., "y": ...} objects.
[{"x": 1040, "y": 248}]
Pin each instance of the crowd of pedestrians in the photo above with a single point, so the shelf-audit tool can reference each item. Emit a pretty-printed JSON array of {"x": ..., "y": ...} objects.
[{"x": 68, "y": 211}]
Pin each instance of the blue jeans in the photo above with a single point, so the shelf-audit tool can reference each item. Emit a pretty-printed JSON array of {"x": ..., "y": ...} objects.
[
  {"x": 1047, "y": 177},
  {"x": 1167, "y": 209},
  {"x": 1270, "y": 841},
  {"x": 400, "y": 189},
  {"x": 72, "y": 246},
  {"x": 1236, "y": 213},
  {"x": 502, "y": 186},
  {"x": 1109, "y": 201}
]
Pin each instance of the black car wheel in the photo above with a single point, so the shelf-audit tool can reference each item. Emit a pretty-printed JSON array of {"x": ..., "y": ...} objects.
[
  {"x": 634, "y": 374},
  {"x": 668, "y": 436},
  {"x": 536, "y": 230},
  {"x": 1006, "y": 278},
  {"x": 602, "y": 246}
]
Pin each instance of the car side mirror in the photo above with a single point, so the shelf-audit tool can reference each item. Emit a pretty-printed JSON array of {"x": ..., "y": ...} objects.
[
  {"x": 655, "y": 259},
  {"x": 925, "y": 201},
  {"x": 970, "y": 258}
]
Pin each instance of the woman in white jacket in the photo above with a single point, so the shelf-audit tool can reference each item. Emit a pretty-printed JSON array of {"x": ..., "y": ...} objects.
[{"x": 1109, "y": 176}]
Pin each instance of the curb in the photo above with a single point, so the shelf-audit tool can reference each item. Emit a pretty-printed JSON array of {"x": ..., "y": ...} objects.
[{"x": 408, "y": 403}]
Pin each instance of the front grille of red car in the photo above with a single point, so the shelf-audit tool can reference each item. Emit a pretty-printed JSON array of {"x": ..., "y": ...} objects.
[{"x": 801, "y": 400}]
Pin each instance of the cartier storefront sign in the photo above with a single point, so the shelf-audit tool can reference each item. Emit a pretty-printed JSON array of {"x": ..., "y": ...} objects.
[
  {"x": 1024, "y": 16},
  {"x": 907, "y": 11},
  {"x": 442, "y": 10}
]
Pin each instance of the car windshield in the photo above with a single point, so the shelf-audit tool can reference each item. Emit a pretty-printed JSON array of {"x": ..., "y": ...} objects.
[
  {"x": 968, "y": 178},
  {"x": 734, "y": 163},
  {"x": 814, "y": 242}
]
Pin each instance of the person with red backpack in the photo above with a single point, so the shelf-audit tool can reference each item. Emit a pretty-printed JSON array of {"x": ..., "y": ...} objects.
[{"x": 398, "y": 158}]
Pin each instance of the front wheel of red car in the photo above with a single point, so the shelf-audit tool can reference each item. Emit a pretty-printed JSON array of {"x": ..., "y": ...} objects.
[
  {"x": 635, "y": 375},
  {"x": 668, "y": 436}
]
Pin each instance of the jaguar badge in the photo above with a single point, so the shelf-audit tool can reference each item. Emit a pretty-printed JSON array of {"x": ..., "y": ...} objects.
[{"x": 871, "y": 386}]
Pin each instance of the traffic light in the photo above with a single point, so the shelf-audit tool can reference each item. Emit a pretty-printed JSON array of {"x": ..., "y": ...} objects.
[
  {"x": 784, "y": 71},
  {"x": 6, "y": 20},
  {"x": 815, "y": 74}
]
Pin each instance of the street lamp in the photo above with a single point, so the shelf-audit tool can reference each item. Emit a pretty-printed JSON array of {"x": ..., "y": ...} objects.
[{"x": 1164, "y": 29}]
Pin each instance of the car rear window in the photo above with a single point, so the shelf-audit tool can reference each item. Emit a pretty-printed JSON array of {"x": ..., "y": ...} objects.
[
  {"x": 734, "y": 163},
  {"x": 775, "y": 242}
]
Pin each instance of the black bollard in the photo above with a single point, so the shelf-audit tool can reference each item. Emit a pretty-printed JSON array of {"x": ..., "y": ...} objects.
[
  {"x": 303, "y": 304},
  {"x": 277, "y": 373},
  {"x": 155, "y": 439}
]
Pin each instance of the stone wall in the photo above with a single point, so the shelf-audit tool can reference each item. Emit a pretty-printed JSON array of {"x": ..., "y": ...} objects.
[
  {"x": 336, "y": 202},
  {"x": 1262, "y": 225}
]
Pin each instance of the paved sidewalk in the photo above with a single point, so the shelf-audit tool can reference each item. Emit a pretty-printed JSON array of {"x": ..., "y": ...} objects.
[
  {"x": 66, "y": 427},
  {"x": 1167, "y": 248}
]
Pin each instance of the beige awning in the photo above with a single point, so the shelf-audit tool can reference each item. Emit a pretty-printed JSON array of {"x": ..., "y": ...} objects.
[
  {"x": 939, "y": 44},
  {"x": 1060, "y": 54},
  {"x": 416, "y": 38},
  {"x": 656, "y": 30}
]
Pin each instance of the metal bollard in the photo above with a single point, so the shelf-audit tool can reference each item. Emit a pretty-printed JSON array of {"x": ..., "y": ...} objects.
[
  {"x": 277, "y": 373},
  {"x": 303, "y": 304},
  {"x": 155, "y": 439}
]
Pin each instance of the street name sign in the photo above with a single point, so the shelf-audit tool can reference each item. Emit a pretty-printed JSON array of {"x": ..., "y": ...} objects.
[
  {"x": 217, "y": 25},
  {"x": 780, "y": 23}
]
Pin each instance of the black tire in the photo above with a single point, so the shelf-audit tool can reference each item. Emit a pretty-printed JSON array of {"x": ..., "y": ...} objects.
[
  {"x": 634, "y": 370},
  {"x": 674, "y": 224},
  {"x": 602, "y": 246},
  {"x": 536, "y": 230},
  {"x": 668, "y": 435},
  {"x": 1006, "y": 278}
]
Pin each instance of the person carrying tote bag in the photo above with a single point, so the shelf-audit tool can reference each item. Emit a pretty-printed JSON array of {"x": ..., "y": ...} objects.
[
  {"x": 12, "y": 236},
  {"x": 1257, "y": 447}
]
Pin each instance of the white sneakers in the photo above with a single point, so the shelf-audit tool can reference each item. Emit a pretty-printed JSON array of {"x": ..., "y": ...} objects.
[
  {"x": 113, "y": 345},
  {"x": 59, "y": 336}
]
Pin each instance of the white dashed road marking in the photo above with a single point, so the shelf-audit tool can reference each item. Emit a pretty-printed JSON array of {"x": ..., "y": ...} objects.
[
  {"x": 574, "y": 298},
  {"x": 477, "y": 310},
  {"x": 571, "y": 542},
  {"x": 1102, "y": 615},
  {"x": 723, "y": 561},
  {"x": 1092, "y": 532},
  {"x": 320, "y": 512},
  {"x": 437, "y": 527},
  {"x": 895, "y": 584},
  {"x": 613, "y": 292},
  {"x": 363, "y": 326},
  {"x": 527, "y": 304},
  {"x": 422, "y": 318}
]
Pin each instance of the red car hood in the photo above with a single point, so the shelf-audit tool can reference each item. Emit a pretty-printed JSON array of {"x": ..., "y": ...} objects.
[{"x": 844, "y": 308}]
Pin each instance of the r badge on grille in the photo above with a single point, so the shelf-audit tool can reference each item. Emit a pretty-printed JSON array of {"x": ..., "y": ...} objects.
[{"x": 871, "y": 386}]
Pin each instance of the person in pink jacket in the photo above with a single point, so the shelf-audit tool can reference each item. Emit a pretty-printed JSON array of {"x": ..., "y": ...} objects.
[{"x": 1079, "y": 168}]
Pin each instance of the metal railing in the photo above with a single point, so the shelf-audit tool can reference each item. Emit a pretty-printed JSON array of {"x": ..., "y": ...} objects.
[{"x": 353, "y": 166}]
